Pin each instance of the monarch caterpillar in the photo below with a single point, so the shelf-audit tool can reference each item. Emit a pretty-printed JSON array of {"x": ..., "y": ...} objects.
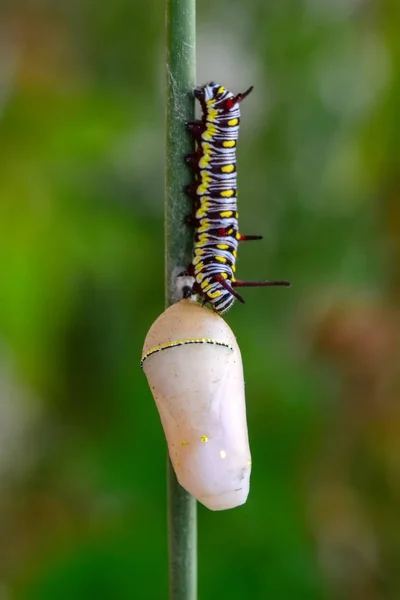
[
  {"x": 194, "y": 368},
  {"x": 214, "y": 191}
]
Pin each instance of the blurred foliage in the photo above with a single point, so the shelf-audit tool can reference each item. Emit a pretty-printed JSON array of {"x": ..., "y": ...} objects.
[{"x": 82, "y": 454}]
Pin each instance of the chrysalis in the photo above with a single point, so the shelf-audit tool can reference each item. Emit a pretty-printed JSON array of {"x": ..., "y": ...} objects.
[{"x": 194, "y": 368}]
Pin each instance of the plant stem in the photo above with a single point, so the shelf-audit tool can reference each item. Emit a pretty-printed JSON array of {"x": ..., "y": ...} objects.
[{"x": 181, "y": 78}]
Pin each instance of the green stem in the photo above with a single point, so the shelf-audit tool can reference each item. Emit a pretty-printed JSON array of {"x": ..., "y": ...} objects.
[{"x": 181, "y": 78}]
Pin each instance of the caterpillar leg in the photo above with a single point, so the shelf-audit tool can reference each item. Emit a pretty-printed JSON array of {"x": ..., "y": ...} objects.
[
  {"x": 193, "y": 160},
  {"x": 191, "y": 220},
  {"x": 239, "y": 283},
  {"x": 191, "y": 190},
  {"x": 195, "y": 128}
]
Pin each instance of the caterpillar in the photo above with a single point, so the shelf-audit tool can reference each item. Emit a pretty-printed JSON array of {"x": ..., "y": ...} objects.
[{"x": 214, "y": 191}]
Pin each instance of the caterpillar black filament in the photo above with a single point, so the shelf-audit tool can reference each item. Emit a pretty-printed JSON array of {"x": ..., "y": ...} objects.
[{"x": 214, "y": 191}]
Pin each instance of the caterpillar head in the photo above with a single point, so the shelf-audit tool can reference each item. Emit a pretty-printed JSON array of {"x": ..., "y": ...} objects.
[
  {"x": 206, "y": 92},
  {"x": 218, "y": 96}
]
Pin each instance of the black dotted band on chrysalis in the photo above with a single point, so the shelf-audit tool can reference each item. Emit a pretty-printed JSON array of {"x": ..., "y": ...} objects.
[{"x": 168, "y": 345}]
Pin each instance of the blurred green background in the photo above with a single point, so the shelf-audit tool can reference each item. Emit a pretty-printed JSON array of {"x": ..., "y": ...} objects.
[{"x": 82, "y": 453}]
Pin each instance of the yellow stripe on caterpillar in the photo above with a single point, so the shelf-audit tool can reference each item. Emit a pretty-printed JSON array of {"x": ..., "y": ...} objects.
[
  {"x": 215, "y": 294},
  {"x": 202, "y": 189},
  {"x": 204, "y": 161},
  {"x": 202, "y": 211}
]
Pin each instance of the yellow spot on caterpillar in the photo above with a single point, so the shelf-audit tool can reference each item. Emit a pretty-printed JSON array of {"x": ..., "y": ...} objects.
[
  {"x": 226, "y": 213},
  {"x": 198, "y": 251},
  {"x": 224, "y": 275},
  {"x": 236, "y": 215},
  {"x": 202, "y": 211},
  {"x": 183, "y": 443},
  {"x": 199, "y": 277},
  {"x": 222, "y": 246},
  {"x": 228, "y": 169},
  {"x": 230, "y": 231},
  {"x": 202, "y": 189},
  {"x": 233, "y": 279},
  {"x": 207, "y": 148},
  {"x": 212, "y": 114},
  {"x": 221, "y": 90},
  {"x": 221, "y": 259},
  {"x": 233, "y": 269},
  {"x": 215, "y": 294},
  {"x": 227, "y": 193},
  {"x": 222, "y": 454},
  {"x": 229, "y": 144},
  {"x": 204, "y": 438},
  {"x": 233, "y": 122},
  {"x": 210, "y": 131},
  {"x": 238, "y": 236},
  {"x": 203, "y": 163},
  {"x": 234, "y": 253}
]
